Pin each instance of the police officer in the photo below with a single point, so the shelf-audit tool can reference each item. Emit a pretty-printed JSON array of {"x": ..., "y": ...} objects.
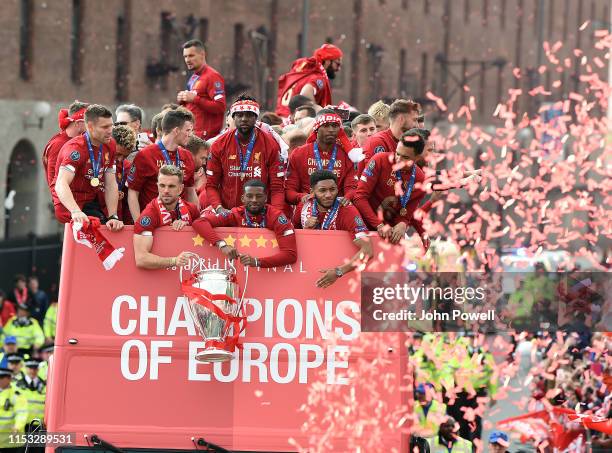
[
  {"x": 448, "y": 441},
  {"x": 35, "y": 391},
  {"x": 43, "y": 368},
  {"x": 13, "y": 413},
  {"x": 15, "y": 364},
  {"x": 429, "y": 412},
  {"x": 26, "y": 329}
]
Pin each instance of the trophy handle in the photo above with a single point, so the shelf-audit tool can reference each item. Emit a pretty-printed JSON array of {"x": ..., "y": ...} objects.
[{"x": 190, "y": 254}]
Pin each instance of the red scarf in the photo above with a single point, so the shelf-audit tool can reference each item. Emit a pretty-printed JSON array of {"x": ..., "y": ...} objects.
[
  {"x": 307, "y": 212},
  {"x": 89, "y": 235},
  {"x": 166, "y": 216},
  {"x": 21, "y": 298}
]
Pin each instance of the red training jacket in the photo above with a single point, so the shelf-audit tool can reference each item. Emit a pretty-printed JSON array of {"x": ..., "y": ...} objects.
[
  {"x": 380, "y": 142},
  {"x": 275, "y": 220},
  {"x": 378, "y": 182},
  {"x": 142, "y": 176},
  {"x": 303, "y": 71},
  {"x": 223, "y": 183},
  {"x": 208, "y": 107},
  {"x": 50, "y": 154},
  {"x": 302, "y": 164}
]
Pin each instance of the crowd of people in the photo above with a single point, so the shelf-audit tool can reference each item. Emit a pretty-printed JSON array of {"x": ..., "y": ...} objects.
[
  {"x": 318, "y": 165},
  {"x": 28, "y": 317}
]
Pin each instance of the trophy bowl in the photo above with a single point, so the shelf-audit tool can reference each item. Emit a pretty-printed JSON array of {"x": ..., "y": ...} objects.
[{"x": 217, "y": 321}]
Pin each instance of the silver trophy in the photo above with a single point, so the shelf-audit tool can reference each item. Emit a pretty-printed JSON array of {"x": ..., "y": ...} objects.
[{"x": 216, "y": 324}]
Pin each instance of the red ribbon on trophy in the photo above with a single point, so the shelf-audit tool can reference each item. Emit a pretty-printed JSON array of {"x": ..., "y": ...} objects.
[{"x": 206, "y": 299}]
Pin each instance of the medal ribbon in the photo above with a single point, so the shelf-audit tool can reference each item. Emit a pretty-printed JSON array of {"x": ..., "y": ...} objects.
[
  {"x": 95, "y": 164},
  {"x": 252, "y": 224},
  {"x": 167, "y": 155},
  {"x": 244, "y": 160},
  {"x": 332, "y": 161},
  {"x": 330, "y": 216},
  {"x": 121, "y": 176},
  {"x": 406, "y": 197}
]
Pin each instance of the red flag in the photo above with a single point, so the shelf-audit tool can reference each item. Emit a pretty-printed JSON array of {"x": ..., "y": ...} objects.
[{"x": 542, "y": 425}]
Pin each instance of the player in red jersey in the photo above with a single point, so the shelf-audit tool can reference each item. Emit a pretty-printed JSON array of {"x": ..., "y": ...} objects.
[
  {"x": 240, "y": 154},
  {"x": 177, "y": 126},
  {"x": 324, "y": 211},
  {"x": 72, "y": 124},
  {"x": 327, "y": 148},
  {"x": 403, "y": 116},
  {"x": 168, "y": 209},
  {"x": 397, "y": 176},
  {"x": 310, "y": 77},
  {"x": 86, "y": 167},
  {"x": 205, "y": 93},
  {"x": 254, "y": 214}
]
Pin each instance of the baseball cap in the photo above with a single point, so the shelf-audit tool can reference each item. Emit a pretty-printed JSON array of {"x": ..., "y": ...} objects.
[
  {"x": 422, "y": 388},
  {"x": 11, "y": 339},
  {"x": 499, "y": 437}
]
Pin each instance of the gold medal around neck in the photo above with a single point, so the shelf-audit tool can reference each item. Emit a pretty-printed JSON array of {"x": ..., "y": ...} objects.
[
  {"x": 403, "y": 211},
  {"x": 95, "y": 182}
]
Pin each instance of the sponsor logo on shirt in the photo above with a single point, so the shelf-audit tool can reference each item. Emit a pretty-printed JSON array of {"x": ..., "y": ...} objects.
[
  {"x": 75, "y": 155},
  {"x": 257, "y": 172},
  {"x": 256, "y": 157},
  {"x": 232, "y": 157},
  {"x": 145, "y": 221}
]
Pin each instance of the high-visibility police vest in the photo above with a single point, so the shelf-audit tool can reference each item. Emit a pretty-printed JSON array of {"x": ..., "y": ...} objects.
[
  {"x": 50, "y": 321},
  {"x": 13, "y": 416},
  {"x": 460, "y": 446},
  {"x": 428, "y": 425},
  {"x": 27, "y": 336},
  {"x": 36, "y": 401}
]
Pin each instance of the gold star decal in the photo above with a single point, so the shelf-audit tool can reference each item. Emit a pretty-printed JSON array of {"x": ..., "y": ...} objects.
[
  {"x": 261, "y": 241},
  {"x": 231, "y": 240},
  {"x": 274, "y": 243},
  {"x": 198, "y": 240},
  {"x": 245, "y": 241}
]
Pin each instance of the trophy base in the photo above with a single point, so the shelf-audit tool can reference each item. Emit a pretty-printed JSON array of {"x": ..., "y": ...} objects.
[{"x": 214, "y": 355}]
